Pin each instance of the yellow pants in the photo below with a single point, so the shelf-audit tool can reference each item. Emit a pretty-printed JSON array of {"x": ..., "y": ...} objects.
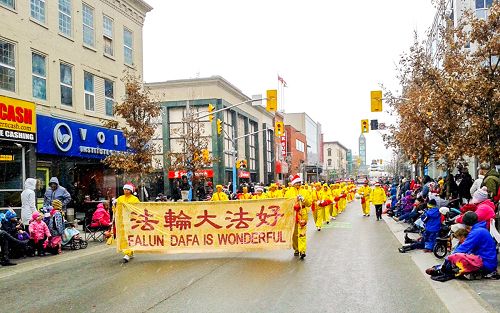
[
  {"x": 299, "y": 242},
  {"x": 320, "y": 216},
  {"x": 328, "y": 212},
  {"x": 333, "y": 210},
  {"x": 342, "y": 205},
  {"x": 366, "y": 207}
]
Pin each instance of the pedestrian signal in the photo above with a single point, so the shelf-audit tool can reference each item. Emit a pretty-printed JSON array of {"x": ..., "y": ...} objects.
[
  {"x": 364, "y": 126},
  {"x": 272, "y": 100},
  {"x": 279, "y": 128},
  {"x": 376, "y": 100},
  {"x": 374, "y": 124}
]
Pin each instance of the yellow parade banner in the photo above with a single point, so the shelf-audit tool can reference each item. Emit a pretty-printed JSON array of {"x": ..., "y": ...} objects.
[{"x": 200, "y": 227}]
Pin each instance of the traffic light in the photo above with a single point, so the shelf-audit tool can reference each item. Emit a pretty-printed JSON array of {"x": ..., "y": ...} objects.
[
  {"x": 272, "y": 100},
  {"x": 364, "y": 126},
  {"x": 279, "y": 128},
  {"x": 206, "y": 155},
  {"x": 219, "y": 127},
  {"x": 376, "y": 100},
  {"x": 374, "y": 124},
  {"x": 238, "y": 164},
  {"x": 243, "y": 164},
  {"x": 210, "y": 110}
]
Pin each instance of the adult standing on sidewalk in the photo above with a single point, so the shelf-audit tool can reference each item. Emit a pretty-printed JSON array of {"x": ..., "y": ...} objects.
[
  {"x": 378, "y": 197},
  {"x": 483, "y": 169},
  {"x": 492, "y": 182},
  {"x": 28, "y": 201},
  {"x": 56, "y": 192}
]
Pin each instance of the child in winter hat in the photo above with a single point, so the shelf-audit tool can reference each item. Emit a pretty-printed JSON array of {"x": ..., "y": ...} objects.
[{"x": 480, "y": 195}]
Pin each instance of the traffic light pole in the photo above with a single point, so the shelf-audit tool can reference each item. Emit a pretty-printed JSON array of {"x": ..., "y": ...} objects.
[{"x": 230, "y": 107}]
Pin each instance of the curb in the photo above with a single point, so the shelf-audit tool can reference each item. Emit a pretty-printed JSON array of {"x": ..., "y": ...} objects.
[
  {"x": 51, "y": 260},
  {"x": 456, "y": 295}
]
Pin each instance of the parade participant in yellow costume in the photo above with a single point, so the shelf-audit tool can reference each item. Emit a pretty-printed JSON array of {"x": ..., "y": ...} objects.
[
  {"x": 335, "y": 198},
  {"x": 303, "y": 200},
  {"x": 365, "y": 193},
  {"x": 326, "y": 202},
  {"x": 343, "y": 196},
  {"x": 350, "y": 192},
  {"x": 378, "y": 197},
  {"x": 274, "y": 192},
  {"x": 259, "y": 193},
  {"x": 127, "y": 197},
  {"x": 318, "y": 212},
  {"x": 219, "y": 195},
  {"x": 245, "y": 195}
]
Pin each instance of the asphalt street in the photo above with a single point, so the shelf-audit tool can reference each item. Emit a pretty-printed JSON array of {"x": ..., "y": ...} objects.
[{"x": 352, "y": 265}]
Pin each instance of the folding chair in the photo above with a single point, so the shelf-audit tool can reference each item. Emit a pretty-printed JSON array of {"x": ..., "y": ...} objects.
[{"x": 95, "y": 233}]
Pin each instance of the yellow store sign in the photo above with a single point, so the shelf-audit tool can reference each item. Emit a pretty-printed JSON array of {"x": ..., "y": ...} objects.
[{"x": 17, "y": 120}]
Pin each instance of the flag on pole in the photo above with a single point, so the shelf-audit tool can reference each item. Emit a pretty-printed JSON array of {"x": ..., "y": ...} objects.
[{"x": 281, "y": 80}]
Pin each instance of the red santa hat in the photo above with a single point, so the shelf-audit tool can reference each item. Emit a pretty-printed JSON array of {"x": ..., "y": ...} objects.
[
  {"x": 296, "y": 179},
  {"x": 129, "y": 186}
]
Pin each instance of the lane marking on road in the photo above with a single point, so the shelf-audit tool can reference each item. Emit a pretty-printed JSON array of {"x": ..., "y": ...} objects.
[
  {"x": 345, "y": 225},
  {"x": 38, "y": 262}
]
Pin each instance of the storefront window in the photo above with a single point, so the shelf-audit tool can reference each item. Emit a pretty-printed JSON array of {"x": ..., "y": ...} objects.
[{"x": 11, "y": 177}]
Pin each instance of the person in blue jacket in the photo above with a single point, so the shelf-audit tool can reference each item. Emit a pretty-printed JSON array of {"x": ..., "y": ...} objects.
[
  {"x": 432, "y": 223},
  {"x": 476, "y": 254}
]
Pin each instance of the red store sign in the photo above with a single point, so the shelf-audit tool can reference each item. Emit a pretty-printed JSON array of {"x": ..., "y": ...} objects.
[
  {"x": 200, "y": 173},
  {"x": 243, "y": 174},
  {"x": 283, "y": 146}
]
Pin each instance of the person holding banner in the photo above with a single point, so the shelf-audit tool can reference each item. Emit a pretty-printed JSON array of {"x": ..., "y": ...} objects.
[
  {"x": 219, "y": 194},
  {"x": 303, "y": 200},
  {"x": 259, "y": 193},
  {"x": 244, "y": 195},
  {"x": 127, "y": 197}
]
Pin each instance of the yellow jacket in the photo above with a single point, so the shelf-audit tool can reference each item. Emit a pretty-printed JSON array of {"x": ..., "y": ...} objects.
[
  {"x": 262, "y": 196},
  {"x": 365, "y": 191},
  {"x": 274, "y": 194},
  {"x": 219, "y": 196},
  {"x": 326, "y": 195},
  {"x": 293, "y": 193},
  {"x": 378, "y": 196}
]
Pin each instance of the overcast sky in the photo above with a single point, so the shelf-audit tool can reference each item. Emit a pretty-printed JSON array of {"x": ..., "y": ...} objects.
[{"x": 330, "y": 53}]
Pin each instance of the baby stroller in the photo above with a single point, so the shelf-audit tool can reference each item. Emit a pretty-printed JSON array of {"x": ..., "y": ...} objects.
[{"x": 71, "y": 239}]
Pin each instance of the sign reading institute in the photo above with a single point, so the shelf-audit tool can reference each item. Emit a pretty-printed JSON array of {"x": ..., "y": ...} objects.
[
  {"x": 17, "y": 120},
  {"x": 67, "y": 138}
]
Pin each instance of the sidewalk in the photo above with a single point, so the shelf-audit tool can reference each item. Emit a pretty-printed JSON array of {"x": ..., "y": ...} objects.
[
  {"x": 458, "y": 296},
  {"x": 32, "y": 263}
]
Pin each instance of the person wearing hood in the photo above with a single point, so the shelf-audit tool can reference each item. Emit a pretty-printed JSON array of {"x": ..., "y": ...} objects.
[
  {"x": 378, "y": 198},
  {"x": 56, "y": 192},
  {"x": 101, "y": 217},
  {"x": 492, "y": 182},
  {"x": 483, "y": 169},
  {"x": 56, "y": 225},
  {"x": 477, "y": 253},
  {"x": 28, "y": 201}
]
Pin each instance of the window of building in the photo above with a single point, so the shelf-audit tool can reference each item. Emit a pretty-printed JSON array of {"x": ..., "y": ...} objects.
[
  {"x": 89, "y": 91},
  {"x": 107, "y": 34},
  {"x": 329, "y": 162},
  {"x": 128, "y": 51},
  {"x": 482, "y": 7},
  {"x": 7, "y": 66},
  {"x": 229, "y": 121},
  {"x": 109, "y": 96},
  {"x": 299, "y": 145},
  {"x": 329, "y": 152},
  {"x": 39, "y": 71},
  {"x": 65, "y": 17},
  {"x": 66, "y": 73},
  {"x": 252, "y": 164},
  {"x": 269, "y": 151},
  {"x": 38, "y": 10},
  {"x": 88, "y": 25},
  {"x": 8, "y": 3}
]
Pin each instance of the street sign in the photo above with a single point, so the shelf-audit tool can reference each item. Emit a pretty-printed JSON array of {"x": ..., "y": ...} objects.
[{"x": 381, "y": 126}]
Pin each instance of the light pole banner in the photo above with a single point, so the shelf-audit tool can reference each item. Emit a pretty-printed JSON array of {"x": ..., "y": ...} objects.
[{"x": 201, "y": 227}]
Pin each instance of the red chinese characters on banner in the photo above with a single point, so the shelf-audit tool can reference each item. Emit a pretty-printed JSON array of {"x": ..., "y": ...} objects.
[
  {"x": 274, "y": 215},
  {"x": 239, "y": 219},
  {"x": 181, "y": 221},
  {"x": 143, "y": 220},
  {"x": 205, "y": 218}
]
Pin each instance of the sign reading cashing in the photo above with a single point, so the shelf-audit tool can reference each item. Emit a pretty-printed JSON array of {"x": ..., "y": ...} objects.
[
  {"x": 200, "y": 227},
  {"x": 17, "y": 120}
]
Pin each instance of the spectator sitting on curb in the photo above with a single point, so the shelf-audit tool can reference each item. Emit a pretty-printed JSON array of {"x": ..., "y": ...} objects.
[{"x": 476, "y": 254}]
